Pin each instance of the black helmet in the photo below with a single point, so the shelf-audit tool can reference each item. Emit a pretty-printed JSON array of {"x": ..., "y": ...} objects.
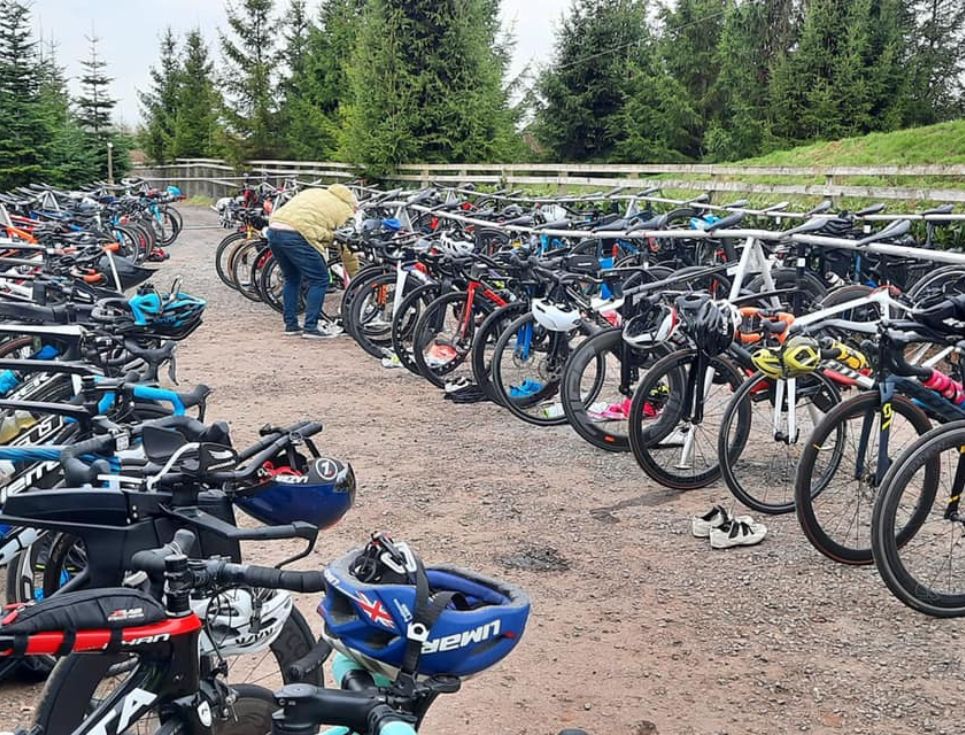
[{"x": 715, "y": 326}]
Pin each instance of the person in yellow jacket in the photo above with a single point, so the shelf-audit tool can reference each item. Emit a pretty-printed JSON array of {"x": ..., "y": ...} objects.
[{"x": 299, "y": 235}]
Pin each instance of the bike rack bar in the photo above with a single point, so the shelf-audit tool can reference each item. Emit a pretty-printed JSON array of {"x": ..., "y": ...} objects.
[{"x": 940, "y": 256}]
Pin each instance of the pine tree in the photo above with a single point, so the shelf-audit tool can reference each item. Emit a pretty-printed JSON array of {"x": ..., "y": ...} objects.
[
  {"x": 937, "y": 88},
  {"x": 691, "y": 32},
  {"x": 426, "y": 84},
  {"x": 583, "y": 91},
  {"x": 756, "y": 34},
  {"x": 657, "y": 120},
  {"x": 197, "y": 102},
  {"x": 159, "y": 103},
  {"x": 250, "y": 76},
  {"x": 25, "y": 136},
  {"x": 848, "y": 74},
  {"x": 319, "y": 84},
  {"x": 70, "y": 161},
  {"x": 95, "y": 104}
]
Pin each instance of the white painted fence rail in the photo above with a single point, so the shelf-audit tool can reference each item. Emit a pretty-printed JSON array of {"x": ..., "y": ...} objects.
[{"x": 213, "y": 177}]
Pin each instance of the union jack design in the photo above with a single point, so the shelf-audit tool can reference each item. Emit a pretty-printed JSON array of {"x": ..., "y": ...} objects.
[{"x": 375, "y": 611}]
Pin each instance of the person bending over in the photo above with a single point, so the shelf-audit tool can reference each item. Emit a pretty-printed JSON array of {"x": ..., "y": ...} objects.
[{"x": 299, "y": 235}]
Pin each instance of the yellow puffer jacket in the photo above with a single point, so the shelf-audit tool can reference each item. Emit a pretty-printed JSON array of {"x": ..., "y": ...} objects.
[{"x": 317, "y": 213}]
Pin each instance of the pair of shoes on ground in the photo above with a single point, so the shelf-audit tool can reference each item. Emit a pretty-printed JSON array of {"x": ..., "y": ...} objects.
[
  {"x": 324, "y": 331},
  {"x": 726, "y": 531}
]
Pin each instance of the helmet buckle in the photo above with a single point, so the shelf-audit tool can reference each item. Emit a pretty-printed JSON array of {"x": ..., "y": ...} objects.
[{"x": 417, "y": 632}]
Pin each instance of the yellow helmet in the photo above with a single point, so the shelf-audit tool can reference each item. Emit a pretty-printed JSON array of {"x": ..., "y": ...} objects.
[
  {"x": 768, "y": 362},
  {"x": 801, "y": 356}
]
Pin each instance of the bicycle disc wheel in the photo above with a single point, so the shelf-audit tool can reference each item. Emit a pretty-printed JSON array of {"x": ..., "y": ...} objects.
[
  {"x": 79, "y": 682},
  {"x": 665, "y": 441},
  {"x": 759, "y": 465},
  {"x": 926, "y": 570},
  {"x": 837, "y": 477}
]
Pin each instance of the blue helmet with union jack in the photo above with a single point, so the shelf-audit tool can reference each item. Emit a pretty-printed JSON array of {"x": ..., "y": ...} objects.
[{"x": 393, "y": 616}]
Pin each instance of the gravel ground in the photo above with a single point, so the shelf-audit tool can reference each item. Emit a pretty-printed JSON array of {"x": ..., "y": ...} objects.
[{"x": 636, "y": 627}]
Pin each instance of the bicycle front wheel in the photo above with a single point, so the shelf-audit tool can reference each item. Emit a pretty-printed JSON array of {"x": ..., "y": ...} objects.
[
  {"x": 668, "y": 444},
  {"x": 759, "y": 456},
  {"x": 839, "y": 473},
  {"x": 916, "y": 527}
]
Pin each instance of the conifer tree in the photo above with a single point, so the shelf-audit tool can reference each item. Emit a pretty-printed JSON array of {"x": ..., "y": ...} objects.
[
  {"x": 426, "y": 80},
  {"x": 250, "y": 75},
  {"x": 582, "y": 93},
  {"x": 159, "y": 105},
  {"x": 25, "y": 136},
  {"x": 197, "y": 102}
]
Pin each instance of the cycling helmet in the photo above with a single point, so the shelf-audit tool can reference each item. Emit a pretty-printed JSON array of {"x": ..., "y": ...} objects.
[
  {"x": 174, "y": 191},
  {"x": 242, "y": 620},
  {"x": 555, "y": 317},
  {"x": 688, "y": 305},
  {"x": 658, "y": 324},
  {"x": 715, "y": 326},
  {"x": 801, "y": 356},
  {"x": 174, "y": 314},
  {"x": 383, "y": 609},
  {"x": 453, "y": 246},
  {"x": 768, "y": 362},
  {"x": 318, "y": 491}
]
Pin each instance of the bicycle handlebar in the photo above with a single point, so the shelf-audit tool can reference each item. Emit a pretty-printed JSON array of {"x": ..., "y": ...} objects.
[{"x": 222, "y": 573}]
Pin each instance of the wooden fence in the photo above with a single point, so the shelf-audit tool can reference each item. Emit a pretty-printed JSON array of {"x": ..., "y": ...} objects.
[{"x": 214, "y": 178}]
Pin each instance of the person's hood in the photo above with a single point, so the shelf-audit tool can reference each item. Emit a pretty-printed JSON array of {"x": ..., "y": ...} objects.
[{"x": 345, "y": 194}]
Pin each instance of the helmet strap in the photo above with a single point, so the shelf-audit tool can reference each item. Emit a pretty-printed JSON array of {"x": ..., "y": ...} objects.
[{"x": 427, "y": 611}]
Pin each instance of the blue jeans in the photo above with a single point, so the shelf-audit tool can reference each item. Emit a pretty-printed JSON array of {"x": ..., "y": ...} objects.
[{"x": 301, "y": 263}]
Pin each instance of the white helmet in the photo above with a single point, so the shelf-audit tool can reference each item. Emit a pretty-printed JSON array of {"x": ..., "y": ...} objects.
[
  {"x": 453, "y": 246},
  {"x": 242, "y": 620},
  {"x": 222, "y": 204},
  {"x": 555, "y": 317}
]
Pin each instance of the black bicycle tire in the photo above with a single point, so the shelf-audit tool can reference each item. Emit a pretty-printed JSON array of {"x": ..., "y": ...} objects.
[
  {"x": 641, "y": 440},
  {"x": 884, "y": 545},
  {"x": 481, "y": 370},
  {"x": 731, "y": 454},
  {"x": 864, "y": 403},
  {"x": 550, "y": 388},
  {"x": 574, "y": 407},
  {"x": 399, "y": 346}
]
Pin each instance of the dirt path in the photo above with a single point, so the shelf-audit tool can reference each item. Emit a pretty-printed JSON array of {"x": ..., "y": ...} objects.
[{"x": 636, "y": 627}]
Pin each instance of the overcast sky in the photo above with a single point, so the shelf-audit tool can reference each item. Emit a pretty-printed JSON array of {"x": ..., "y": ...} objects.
[{"x": 129, "y": 31}]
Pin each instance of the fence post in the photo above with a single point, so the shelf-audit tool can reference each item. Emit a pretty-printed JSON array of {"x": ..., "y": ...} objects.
[
  {"x": 829, "y": 182},
  {"x": 561, "y": 182},
  {"x": 424, "y": 176}
]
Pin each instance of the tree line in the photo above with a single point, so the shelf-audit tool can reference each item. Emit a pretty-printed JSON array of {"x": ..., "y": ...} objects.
[
  {"x": 48, "y": 135},
  {"x": 379, "y": 82}
]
